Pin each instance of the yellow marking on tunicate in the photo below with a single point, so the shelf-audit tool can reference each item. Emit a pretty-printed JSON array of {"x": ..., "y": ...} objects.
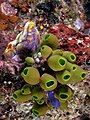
[
  {"x": 32, "y": 24},
  {"x": 30, "y": 38},
  {"x": 29, "y": 30},
  {"x": 37, "y": 32}
]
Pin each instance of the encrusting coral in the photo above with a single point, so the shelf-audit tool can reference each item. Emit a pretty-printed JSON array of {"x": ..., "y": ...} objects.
[{"x": 47, "y": 74}]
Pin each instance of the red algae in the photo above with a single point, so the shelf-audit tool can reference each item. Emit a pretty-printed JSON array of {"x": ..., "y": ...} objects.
[{"x": 72, "y": 40}]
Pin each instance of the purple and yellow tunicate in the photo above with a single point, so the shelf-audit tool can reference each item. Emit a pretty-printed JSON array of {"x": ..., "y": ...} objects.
[{"x": 27, "y": 39}]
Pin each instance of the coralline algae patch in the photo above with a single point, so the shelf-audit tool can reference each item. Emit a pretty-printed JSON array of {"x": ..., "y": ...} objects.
[{"x": 47, "y": 74}]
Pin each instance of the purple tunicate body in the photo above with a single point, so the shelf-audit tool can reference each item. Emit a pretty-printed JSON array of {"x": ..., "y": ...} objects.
[{"x": 27, "y": 39}]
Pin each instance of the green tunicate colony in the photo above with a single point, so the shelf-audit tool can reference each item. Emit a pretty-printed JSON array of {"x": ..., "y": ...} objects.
[{"x": 62, "y": 64}]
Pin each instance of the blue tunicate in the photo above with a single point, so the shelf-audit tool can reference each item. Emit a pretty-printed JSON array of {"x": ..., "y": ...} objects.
[
  {"x": 50, "y": 94},
  {"x": 55, "y": 103}
]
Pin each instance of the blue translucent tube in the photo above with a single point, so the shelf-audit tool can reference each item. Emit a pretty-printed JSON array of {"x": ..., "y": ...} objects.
[{"x": 53, "y": 101}]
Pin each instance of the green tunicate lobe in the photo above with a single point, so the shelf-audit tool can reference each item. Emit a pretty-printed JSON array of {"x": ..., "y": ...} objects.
[
  {"x": 37, "y": 93},
  {"x": 71, "y": 67},
  {"x": 63, "y": 77},
  {"x": 69, "y": 56},
  {"x": 40, "y": 102},
  {"x": 51, "y": 40},
  {"x": 48, "y": 82},
  {"x": 63, "y": 93},
  {"x": 19, "y": 97},
  {"x": 45, "y": 51},
  {"x": 29, "y": 60},
  {"x": 57, "y": 52},
  {"x": 31, "y": 75},
  {"x": 26, "y": 89},
  {"x": 64, "y": 106},
  {"x": 39, "y": 110},
  {"x": 77, "y": 75},
  {"x": 57, "y": 63}
]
